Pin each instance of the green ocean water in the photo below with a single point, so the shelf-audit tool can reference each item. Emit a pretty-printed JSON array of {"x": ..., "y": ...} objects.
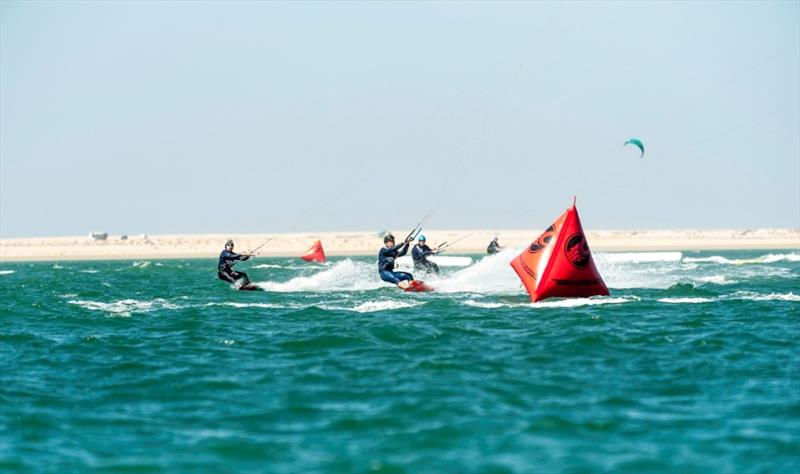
[{"x": 692, "y": 364}]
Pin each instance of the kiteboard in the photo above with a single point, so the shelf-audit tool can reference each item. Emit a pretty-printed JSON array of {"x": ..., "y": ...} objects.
[
  {"x": 418, "y": 286},
  {"x": 249, "y": 287}
]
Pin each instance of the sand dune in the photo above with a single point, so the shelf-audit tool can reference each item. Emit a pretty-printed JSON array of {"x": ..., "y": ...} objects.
[{"x": 367, "y": 243}]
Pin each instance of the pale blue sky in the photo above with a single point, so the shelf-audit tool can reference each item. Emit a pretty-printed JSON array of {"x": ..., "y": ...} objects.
[{"x": 146, "y": 117}]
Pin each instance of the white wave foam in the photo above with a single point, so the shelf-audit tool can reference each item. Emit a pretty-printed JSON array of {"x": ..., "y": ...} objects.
[
  {"x": 90, "y": 271},
  {"x": 565, "y": 303},
  {"x": 715, "y": 259},
  {"x": 365, "y": 307},
  {"x": 307, "y": 266},
  {"x": 575, "y": 302},
  {"x": 251, "y": 305},
  {"x": 57, "y": 267},
  {"x": 769, "y": 258},
  {"x": 765, "y": 272},
  {"x": 374, "y": 306},
  {"x": 654, "y": 270},
  {"x": 746, "y": 295},
  {"x": 486, "y": 305},
  {"x": 143, "y": 264},
  {"x": 685, "y": 300},
  {"x": 715, "y": 279},
  {"x": 782, "y": 257},
  {"x": 125, "y": 307},
  {"x": 345, "y": 275},
  {"x": 638, "y": 257},
  {"x": 442, "y": 261},
  {"x": 6, "y": 272},
  {"x": 491, "y": 274}
]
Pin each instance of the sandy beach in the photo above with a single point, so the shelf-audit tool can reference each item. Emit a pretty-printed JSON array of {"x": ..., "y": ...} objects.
[{"x": 365, "y": 243}]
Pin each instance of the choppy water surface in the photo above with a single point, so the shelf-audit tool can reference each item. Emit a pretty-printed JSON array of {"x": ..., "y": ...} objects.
[{"x": 691, "y": 365}]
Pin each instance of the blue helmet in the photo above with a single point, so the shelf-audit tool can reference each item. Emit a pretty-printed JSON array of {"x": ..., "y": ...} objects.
[{"x": 422, "y": 238}]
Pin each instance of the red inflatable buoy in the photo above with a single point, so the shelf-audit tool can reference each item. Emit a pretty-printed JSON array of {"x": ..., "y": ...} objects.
[
  {"x": 315, "y": 253},
  {"x": 559, "y": 263}
]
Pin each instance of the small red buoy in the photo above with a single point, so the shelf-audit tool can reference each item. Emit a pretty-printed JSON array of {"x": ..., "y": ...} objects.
[{"x": 315, "y": 253}]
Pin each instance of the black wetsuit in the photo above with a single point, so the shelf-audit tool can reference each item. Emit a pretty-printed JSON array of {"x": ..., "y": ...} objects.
[
  {"x": 225, "y": 269},
  {"x": 386, "y": 258},
  {"x": 493, "y": 247},
  {"x": 421, "y": 262}
]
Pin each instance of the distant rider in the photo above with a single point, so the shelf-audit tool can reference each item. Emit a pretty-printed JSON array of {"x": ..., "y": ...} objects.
[
  {"x": 227, "y": 259},
  {"x": 420, "y": 254},
  {"x": 386, "y": 258},
  {"x": 494, "y": 247}
]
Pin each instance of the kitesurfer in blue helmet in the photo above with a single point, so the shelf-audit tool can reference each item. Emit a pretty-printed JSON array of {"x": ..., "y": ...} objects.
[
  {"x": 386, "y": 258},
  {"x": 227, "y": 259},
  {"x": 420, "y": 254}
]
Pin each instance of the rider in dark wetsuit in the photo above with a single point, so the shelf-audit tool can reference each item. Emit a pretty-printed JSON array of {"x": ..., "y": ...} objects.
[
  {"x": 386, "y": 258},
  {"x": 227, "y": 259},
  {"x": 420, "y": 255},
  {"x": 493, "y": 247}
]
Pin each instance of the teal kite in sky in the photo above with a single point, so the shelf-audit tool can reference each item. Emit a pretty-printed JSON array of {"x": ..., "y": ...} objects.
[{"x": 638, "y": 143}]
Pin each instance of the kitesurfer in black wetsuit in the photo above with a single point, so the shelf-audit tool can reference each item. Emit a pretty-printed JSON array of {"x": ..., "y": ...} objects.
[
  {"x": 420, "y": 254},
  {"x": 386, "y": 258},
  {"x": 227, "y": 259},
  {"x": 493, "y": 247}
]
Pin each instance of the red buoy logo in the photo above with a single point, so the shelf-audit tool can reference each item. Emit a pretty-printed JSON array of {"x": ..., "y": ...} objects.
[
  {"x": 577, "y": 251},
  {"x": 539, "y": 244}
]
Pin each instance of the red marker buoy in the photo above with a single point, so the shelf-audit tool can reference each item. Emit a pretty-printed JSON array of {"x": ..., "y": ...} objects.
[
  {"x": 559, "y": 263},
  {"x": 315, "y": 253}
]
